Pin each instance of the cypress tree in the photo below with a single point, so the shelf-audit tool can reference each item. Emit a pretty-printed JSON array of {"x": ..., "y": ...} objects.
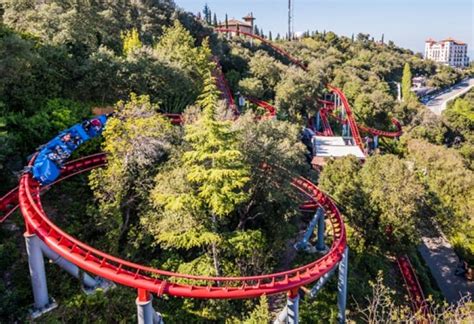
[
  {"x": 226, "y": 21},
  {"x": 209, "y": 18},
  {"x": 407, "y": 94},
  {"x": 270, "y": 36},
  {"x": 207, "y": 13},
  {"x": 214, "y": 21}
]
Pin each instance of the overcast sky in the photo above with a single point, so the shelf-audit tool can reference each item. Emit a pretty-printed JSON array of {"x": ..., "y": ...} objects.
[{"x": 407, "y": 22}]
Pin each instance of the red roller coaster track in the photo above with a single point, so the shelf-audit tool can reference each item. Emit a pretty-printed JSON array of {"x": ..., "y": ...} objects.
[
  {"x": 350, "y": 117},
  {"x": 408, "y": 273},
  {"x": 165, "y": 282},
  {"x": 144, "y": 278}
]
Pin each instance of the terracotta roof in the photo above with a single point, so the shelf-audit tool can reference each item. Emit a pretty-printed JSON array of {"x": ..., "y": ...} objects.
[
  {"x": 454, "y": 41},
  {"x": 235, "y": 22}
]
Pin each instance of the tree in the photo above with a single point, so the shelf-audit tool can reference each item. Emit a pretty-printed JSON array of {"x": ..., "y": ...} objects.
[
  {"x": 214, "y": 21},
  {"x": 373, "y": 199},
  {"x": 214, "y": 181},
  {"x": 207, "y": 13},
  {"x": 270, "y": 36},
  {"x": 137, "y": 139},
  {"x": 407, "y": 94},
  {"x": 382, "y": 308},
  {"x": 131, "y": 41},
  {"x": 226, "y": 21},
  {"x": 256, "y": 31}
]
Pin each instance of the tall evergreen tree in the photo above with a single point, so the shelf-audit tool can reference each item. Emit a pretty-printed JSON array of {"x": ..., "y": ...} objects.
[
  {"x": 226, "y": 21},
  {"x": 407, "y": 94},
  {"x": 209, "y": 19},
  {"x": 270, "y": 36},
  {"x": 207, "y": 14},
  {"x": 214, "y": 163},
  {"x": 214, "y": 20}
]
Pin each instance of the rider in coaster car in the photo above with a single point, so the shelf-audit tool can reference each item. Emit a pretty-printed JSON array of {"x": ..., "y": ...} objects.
[
  {"x": 92, "y": 127},
  {"x": 72, "y": 141}
]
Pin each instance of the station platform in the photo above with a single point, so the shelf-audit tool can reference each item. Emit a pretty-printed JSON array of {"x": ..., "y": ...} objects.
[{"x": 325, "y": 147}]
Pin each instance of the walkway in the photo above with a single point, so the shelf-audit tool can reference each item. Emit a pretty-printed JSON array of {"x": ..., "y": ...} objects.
[
  {"x": 442, "y": 261},
  {"x": 438, "y": 103}
]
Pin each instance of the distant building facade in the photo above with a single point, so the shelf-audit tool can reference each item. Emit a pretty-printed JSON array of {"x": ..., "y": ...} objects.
[
  {"x": 246, "y": 26},
  {"x": 448, "y": 51}
]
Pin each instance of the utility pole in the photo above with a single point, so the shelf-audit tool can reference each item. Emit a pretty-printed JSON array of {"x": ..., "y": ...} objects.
[{"x": 290, "y": 20}]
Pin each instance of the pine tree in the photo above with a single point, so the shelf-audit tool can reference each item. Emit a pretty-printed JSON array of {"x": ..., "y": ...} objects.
[
  {"x": 207, "y": 13},
  {"x": 214, "y": 21},
  {"x": 131, "y": 41},
  {"x": 226, "y": 21},
  {"x": 256, "y": 30},
  {"x": 209, "y": 19},
  {"x": 407, "y": 94},
  {"x": 270, "y": 36},
  {"x": 382, "y": 40},
  {"x": 214, "y": 163},
  {"x": 278, "y": 37}
]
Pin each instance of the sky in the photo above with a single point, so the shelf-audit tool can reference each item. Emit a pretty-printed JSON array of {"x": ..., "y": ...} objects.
[{"x": 407, "y": 22}]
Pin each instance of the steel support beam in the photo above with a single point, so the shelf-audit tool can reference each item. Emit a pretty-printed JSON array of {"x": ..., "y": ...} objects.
[
  {"x": 342, "y": 286},
  {"x": 37, "y": 271},
  {"x": 321, "y": 282},
  {"x": 145, "y": 312},
  {"x": 281, "y": 317},
  {"x": 318, "y": 121},
  {"x": 88, "y": 282},
  {"x": 320, "y": 246},
  {"x": 292, "y": 306}
]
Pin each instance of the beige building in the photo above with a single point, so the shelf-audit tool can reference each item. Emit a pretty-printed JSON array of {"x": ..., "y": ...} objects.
[
  {"x": 447, "y": 51},
  {"x": 245, "y": 26}
]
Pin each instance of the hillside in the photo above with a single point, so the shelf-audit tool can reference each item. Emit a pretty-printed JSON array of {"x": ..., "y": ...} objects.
[{"x": 214, "y": 196}]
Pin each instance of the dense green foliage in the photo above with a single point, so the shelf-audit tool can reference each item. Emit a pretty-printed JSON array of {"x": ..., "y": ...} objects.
[{"x": 214, "y": 197}]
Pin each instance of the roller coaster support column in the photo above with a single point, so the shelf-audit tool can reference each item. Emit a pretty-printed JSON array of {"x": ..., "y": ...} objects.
[
  {"x": 145, "y": 312},
  {"x": 89, "y": 283},
  {"x": 320, "y": 246},
  {"x": 318, "y": 122},
  {"x": 342, "y": 286},
  {"x": 292, "y": 305},
  {"x": 38, "y": 276}
]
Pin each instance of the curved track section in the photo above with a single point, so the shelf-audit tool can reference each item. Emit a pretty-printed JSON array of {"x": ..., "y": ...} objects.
[
  {"x": 277, "y": 49},
  {"x": 270, "y": 110},
  {"x": 413, "y": 286},
  {"x": 418, "y": 301},
  {"x": 350, "y": 117},
  {"x": 164, "y": 282}
]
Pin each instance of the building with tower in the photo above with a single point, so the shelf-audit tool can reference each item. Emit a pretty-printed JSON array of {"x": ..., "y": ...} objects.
[{"x": 246, "y": 26}]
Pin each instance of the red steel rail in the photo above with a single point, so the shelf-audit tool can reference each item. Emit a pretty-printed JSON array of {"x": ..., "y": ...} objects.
[
  {"x": 417, "y": 298},
  {"x": 165, "y": 282}
]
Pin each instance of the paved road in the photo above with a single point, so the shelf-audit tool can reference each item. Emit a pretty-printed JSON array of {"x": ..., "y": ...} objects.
[
  {"x": 442, "y": 261},
  {"x": 438, "y": 103}
]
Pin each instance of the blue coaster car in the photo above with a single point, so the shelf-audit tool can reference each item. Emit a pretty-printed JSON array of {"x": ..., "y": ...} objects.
[{"x": 51, "y": 157}]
